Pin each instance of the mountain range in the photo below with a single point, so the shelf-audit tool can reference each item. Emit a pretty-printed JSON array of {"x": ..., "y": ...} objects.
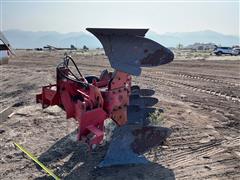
[{"x": 30, "y": 39}]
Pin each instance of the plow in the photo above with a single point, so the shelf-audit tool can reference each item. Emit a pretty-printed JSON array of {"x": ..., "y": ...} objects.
[{"x": 91, "y": 100}]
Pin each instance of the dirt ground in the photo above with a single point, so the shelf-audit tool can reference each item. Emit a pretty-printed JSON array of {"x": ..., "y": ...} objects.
[{"x": 201, "y": 104}]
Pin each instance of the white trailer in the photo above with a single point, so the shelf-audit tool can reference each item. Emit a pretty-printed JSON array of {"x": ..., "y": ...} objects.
[{"x": 5, "y": 49}]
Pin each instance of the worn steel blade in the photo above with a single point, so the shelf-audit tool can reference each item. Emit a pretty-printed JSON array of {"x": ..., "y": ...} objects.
[
  {"x": 128, "y": 50},
  {"x": 129, "y": 142}
]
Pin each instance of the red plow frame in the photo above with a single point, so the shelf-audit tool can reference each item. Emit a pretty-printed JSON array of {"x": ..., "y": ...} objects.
[
  {"x": 90, "y": 104},
  {"x": 91, "y": 100}
]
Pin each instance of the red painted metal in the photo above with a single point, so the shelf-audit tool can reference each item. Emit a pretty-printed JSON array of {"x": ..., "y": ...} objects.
[
  {"x": 89, "y": 100},
  {"x": 90, "y": 103}
]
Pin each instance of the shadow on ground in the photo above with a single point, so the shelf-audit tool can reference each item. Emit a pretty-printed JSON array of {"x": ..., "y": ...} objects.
[{"x": 73, "y": 161}]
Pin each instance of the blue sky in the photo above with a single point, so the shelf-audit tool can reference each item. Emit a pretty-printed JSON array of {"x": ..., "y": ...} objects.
[{"x": 161, "y": 17}]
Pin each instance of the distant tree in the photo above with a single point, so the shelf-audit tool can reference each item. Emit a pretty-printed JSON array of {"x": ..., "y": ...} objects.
[
  {"x": 200, "y": 48},
  {"x": 73, "y": 47},
  {"x": 85, "y": 48},
  {"x": 179, "y": 46}
]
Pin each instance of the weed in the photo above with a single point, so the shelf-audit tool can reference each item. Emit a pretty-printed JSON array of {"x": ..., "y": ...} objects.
[{"x": 155, "y": 117}]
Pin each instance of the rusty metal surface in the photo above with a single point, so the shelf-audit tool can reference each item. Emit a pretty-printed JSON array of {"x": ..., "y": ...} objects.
[
  {"x": 148, "y": 137},
  {"x": 128, "y": 50},
  {"x": 129, "y": 142}
]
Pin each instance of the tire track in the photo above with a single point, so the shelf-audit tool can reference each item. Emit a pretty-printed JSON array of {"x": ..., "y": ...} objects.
[
  {"x": 182, "y": 75},
  {"x": 209, "y": 159},
  {"x": 186, "y": 86}
]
